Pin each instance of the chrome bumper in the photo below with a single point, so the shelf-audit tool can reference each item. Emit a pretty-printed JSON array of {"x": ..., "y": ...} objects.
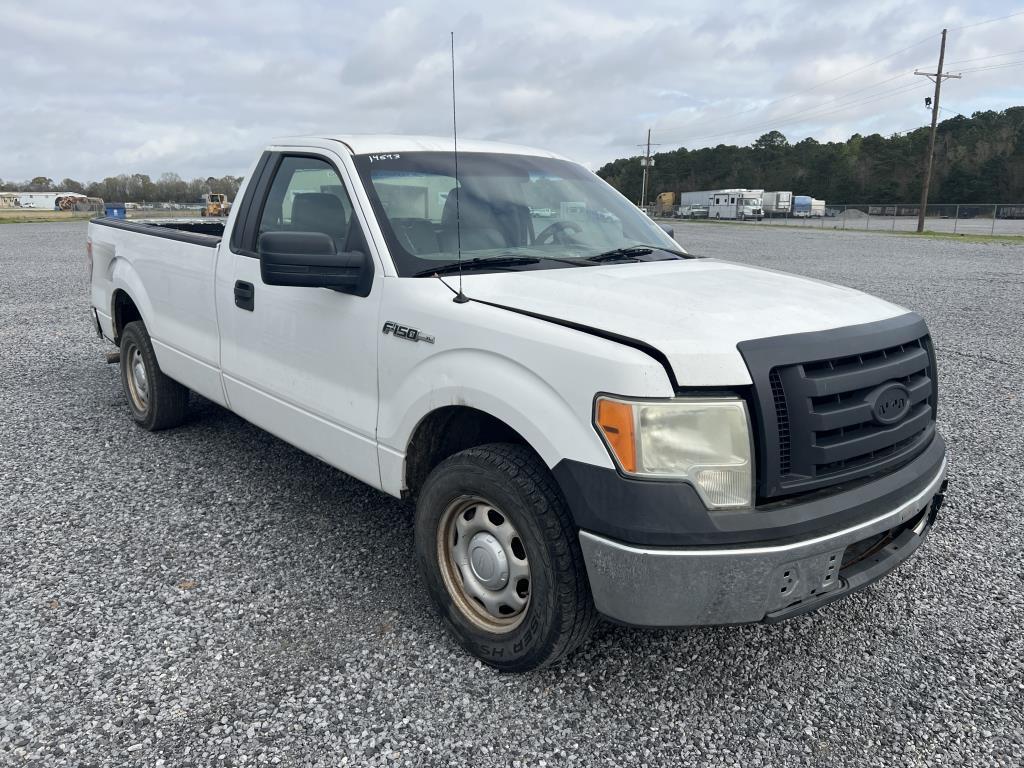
[{"x": 696, "y": 586}]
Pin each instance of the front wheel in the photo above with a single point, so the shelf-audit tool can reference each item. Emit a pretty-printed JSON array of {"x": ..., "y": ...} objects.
[{"x": 500, "y": 556}]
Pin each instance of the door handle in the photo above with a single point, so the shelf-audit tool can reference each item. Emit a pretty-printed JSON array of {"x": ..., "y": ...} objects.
[{"x": 244, "y": 295}]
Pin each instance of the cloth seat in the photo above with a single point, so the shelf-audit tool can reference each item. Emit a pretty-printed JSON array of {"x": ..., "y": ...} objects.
[
  {"x": 321, "y": 212},
  {"x": 478, "y": 221}
]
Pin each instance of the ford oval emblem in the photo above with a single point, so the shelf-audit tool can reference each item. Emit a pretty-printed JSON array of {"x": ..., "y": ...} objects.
[{"x": 889, "y": 402}]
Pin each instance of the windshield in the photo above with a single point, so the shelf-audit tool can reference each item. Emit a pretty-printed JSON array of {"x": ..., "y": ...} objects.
[
  {"x": 750, "y": 201},
  {"x": 553, "y": 211}
]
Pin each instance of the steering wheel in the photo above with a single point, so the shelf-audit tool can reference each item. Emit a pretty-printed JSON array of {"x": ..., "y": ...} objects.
[{"x": 556, "y": 233}]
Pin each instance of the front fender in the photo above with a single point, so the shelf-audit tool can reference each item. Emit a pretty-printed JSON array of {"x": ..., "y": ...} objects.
[
  {"x": 497, "y": 385},
  {"x": 539, "y": 378},
  {"x": 502, "y": 387}
]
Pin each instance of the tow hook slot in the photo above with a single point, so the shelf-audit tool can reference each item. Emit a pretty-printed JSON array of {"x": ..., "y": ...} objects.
[{"x": 790, "y": 579}]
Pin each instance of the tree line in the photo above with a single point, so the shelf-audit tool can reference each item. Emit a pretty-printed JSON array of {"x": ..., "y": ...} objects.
[
  {"x": 979, "y": 159},
  {"x": 134, "y": 187}
]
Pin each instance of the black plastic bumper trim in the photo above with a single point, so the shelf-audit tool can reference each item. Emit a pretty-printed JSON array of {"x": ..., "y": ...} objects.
[{"x": 671, "y": 514}]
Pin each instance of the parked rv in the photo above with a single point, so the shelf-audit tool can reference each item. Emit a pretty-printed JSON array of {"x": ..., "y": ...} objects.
[{"x": 736, "y": 204}]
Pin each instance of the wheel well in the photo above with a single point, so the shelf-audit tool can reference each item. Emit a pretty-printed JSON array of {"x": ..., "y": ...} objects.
[
  {"x": 124, "y": 312},
  {"x": 445, "y": 432}
]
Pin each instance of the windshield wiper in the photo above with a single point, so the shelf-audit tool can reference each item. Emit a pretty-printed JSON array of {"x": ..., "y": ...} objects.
[
  {"x": 621, "y": 254},
  {"x": 630, "y": 253},
  {"x": 498, "y": 262}
]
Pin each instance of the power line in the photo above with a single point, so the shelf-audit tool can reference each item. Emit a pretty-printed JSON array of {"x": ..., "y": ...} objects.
[
  {"x": 843, "y": 102},
  {"x": 987, "y": 21},
  {"x": 983, "y": 58},
  {"x": 1004, "y": 65},
  {"x": 832, "y": 109},
  {"x": 816, "y": 85},
  {"x": 786, "y": 116},
  {"x": 816, "y": 112},
  {"x": 908, "y": 130}
]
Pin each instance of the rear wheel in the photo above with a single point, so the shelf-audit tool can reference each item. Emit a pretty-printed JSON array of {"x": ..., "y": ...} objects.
[
  {"x": 156, "y": 401},
  {"x": 500, "y": 557}
]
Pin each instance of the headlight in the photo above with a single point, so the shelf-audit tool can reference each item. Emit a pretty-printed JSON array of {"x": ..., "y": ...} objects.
[{"x": 703, "y": 440}]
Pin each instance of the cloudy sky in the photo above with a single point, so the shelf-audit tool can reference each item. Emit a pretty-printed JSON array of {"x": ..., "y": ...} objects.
[{"x": 92, "y": 89}]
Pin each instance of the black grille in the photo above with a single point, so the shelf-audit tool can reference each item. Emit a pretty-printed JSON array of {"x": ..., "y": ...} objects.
[
  {"x": 816, "y": 400},
  {"x": 782, "y": 418},
  {"x": 835, "y": 429}
]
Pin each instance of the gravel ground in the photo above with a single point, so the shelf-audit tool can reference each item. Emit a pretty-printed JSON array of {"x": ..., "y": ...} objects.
[{"x": 211, "y": 596}]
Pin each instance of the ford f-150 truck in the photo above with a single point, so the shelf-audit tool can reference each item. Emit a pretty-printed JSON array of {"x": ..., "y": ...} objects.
[{"x": 591, "y": 421}]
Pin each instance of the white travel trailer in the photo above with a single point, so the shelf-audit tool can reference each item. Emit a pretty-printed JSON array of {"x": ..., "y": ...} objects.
[
  {"x": 45, "y": 200},
  {"x": 777, "y": 203},
  {"x": 736, "y": 204},
  {"x": 805, "y": 207},
  {"x": 700, "y": 197}
]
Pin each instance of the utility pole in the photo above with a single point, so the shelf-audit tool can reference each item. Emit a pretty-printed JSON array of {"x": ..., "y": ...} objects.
[
  {"x": 936, "y": 77},
  {"x": 647, "y": 162}
]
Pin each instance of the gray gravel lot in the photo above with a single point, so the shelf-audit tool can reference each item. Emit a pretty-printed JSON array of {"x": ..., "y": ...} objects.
[{"x": 210, "y": 596}]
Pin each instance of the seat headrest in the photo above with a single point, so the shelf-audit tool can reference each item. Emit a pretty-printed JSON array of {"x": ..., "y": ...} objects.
[
  {"x": 318, "y": 212},
  {"x": 473, "y": 211}
]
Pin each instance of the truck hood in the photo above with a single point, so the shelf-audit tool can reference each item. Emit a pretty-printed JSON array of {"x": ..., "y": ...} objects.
[{"x": 694, "y": 312}]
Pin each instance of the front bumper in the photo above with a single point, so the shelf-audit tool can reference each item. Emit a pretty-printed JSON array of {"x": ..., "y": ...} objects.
[{"x": 739, "y": 584}]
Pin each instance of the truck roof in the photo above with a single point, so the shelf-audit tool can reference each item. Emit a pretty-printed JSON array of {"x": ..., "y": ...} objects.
[{"x": 371, "y": 143}]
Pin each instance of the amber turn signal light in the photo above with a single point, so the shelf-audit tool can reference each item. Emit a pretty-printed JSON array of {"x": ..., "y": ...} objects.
[{"x": 615, "y": 420}]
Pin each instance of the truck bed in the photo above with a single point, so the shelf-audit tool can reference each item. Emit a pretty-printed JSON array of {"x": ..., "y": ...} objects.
[
  {"x": 167, "y": 267},
  {"x": 196, "y": 231}
]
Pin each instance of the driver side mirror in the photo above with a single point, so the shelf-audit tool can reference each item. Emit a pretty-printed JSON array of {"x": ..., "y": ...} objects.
[
  {"x": 669, "y": 230},
  {"x": 310, "y": 260}
]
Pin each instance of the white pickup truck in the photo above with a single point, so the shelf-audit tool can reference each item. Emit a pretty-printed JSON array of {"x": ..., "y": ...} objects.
[{"x": 591, "y": 421}]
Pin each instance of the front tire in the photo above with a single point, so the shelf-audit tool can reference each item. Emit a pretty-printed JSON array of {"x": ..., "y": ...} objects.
[
  {"x": 500, "y": 557},
  {"x": 156, "y": 401}
]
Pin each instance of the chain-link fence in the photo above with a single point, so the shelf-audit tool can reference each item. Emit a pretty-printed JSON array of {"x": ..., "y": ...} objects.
[{"x": 967, "y": 219}]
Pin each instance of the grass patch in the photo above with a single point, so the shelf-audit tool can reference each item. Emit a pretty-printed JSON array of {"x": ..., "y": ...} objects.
[
  {"x": 27, "y": 216},
  {"x": 967, "y": 238},
  {"x": 928, "y": 233}
]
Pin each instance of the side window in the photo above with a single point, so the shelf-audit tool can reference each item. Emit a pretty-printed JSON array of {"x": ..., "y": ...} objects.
[{"x": 307, "y": 195}]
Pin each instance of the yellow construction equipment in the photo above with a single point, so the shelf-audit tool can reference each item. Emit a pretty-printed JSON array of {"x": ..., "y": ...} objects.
[
  {"x": 665, "y": 204},
  {"x": 216, "y": 205}
]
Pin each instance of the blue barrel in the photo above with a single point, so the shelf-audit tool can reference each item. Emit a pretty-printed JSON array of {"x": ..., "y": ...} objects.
[{"x": 114, "y": 210}]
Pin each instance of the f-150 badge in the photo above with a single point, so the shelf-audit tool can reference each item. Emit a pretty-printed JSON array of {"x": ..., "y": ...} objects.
[{"x": 405, "y": 332}]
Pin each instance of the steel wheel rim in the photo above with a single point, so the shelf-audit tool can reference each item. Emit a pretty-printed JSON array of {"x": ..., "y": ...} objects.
[
  {"x": 138, "y": 380},
  {"x": 484, "y": 564}
]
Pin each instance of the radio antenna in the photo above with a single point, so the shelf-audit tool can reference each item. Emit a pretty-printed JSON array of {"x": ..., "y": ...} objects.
[{"x": 460, "y": 297}]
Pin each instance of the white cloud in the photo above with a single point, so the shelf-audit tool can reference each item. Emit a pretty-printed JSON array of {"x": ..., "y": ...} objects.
[{"x": 153, "y": 87}]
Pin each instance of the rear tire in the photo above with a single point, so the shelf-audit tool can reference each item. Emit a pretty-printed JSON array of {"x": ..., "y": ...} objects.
[
  {"x": 156, "y": 401},
  {"x": 500, "y": 556}
]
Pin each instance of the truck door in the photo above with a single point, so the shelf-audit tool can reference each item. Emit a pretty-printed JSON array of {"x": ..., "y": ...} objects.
[{"x": 302, "y": 362}]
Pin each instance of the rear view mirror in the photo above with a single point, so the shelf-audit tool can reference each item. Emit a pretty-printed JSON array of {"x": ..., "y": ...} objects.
[
  {"x": 669, "y": 230},
  {"x": 310, "y": 260}
]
